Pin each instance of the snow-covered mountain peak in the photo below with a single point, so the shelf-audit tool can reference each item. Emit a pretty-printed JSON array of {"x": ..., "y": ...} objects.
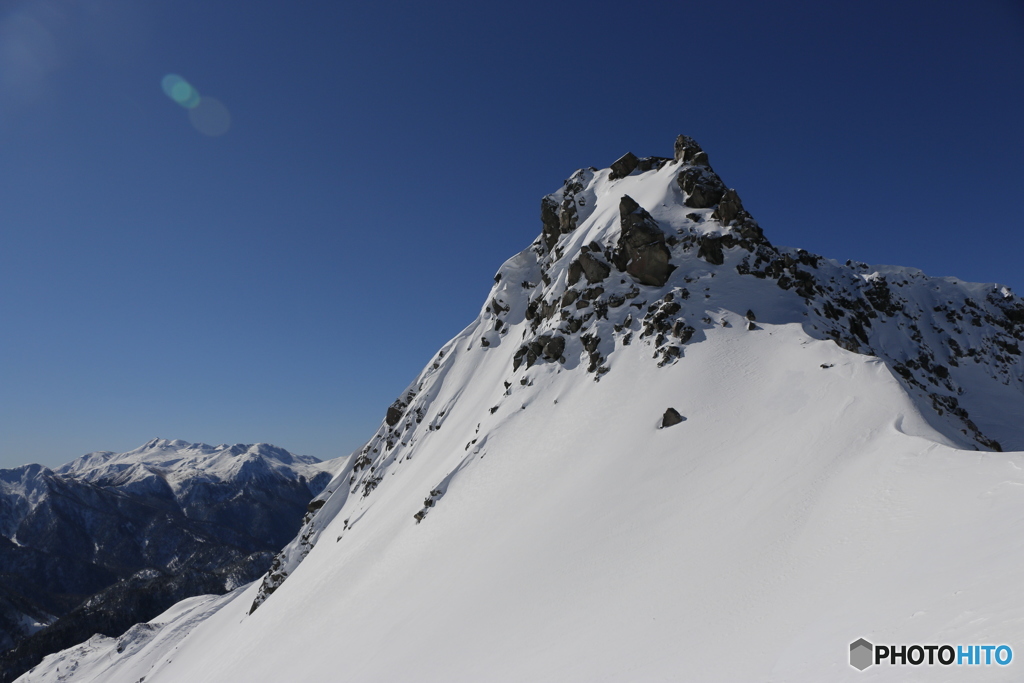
[
  {"x": 655, "y": 255},
  {"x": 177, "y": 460},
  {"x": 187, "y": 471},
  {"x": 668, "y": 238},
  {"x": 662, "y": 441}
]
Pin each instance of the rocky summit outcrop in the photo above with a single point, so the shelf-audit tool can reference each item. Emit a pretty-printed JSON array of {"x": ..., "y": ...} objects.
[
  {"x": 687, "y": 151},
  {"x": 705, "y": 221},
  {"x": 110, "y": 540}
]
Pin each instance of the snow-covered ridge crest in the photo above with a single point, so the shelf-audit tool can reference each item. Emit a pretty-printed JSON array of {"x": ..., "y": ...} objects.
[
  {"x": 659, "y": 252},
  {"x": 178, "y": 465},
  {"x": 179, "y": 461}
]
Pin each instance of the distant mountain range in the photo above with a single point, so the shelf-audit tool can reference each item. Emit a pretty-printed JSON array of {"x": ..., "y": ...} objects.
[{"x": 111, "y": 539}]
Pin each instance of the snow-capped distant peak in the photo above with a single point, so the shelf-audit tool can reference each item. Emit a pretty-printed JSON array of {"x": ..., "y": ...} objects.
[
  {"x": 169, "y": 456},
  {"x": 183, "y": 465}
]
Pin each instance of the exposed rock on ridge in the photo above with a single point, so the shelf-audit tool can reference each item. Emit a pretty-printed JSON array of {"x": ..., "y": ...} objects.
[
  {"x": 842, "y": 304},
  {"x": 641, "y": 249}
]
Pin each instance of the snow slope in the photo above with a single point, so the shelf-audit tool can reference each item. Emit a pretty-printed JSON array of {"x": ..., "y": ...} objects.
[{"x": 523, "y": 515}]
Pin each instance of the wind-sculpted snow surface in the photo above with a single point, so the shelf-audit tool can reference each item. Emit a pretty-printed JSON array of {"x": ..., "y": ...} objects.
[{"x": 666, "y": 449}]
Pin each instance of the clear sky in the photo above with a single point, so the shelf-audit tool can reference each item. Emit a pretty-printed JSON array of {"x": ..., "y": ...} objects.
[{"x": 285, "y": 279}]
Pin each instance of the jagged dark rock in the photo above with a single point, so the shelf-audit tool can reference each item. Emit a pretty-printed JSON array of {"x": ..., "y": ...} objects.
[
  {"x": 574, "y": 273},
  {"x": 702, "y": 186},
  {"x": 550, "y": 221},
  {"x": 688, "y": 151},
  {"x": 554, "y": 347},
  {"x": 671, "y": 417},
  {"x": 547, "y": 347},
  {"x": 593, "y": 269},
  {"x": 623, "y": 166},
  {"x": 729, "y": 207},
  {"x": 651, "y": 163},
  {"x": 668, "y": 354},
  {"x": 710, "y": 249},
  {"x": 568, "y": 214},
  {"x": 394, "y": 414},
  {"x": 590, "y": 344},
  {"x": 641, "y": 250}
]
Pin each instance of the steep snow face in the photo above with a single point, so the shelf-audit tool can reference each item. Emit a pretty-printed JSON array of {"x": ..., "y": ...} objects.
[{"x": 527, "y": 511}]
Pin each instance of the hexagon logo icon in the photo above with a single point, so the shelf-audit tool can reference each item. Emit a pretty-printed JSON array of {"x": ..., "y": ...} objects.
[{"x": 861, "y": 654}]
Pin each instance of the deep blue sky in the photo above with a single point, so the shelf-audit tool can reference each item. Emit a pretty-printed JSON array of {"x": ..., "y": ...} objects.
[{"x": 285, "y": 281}]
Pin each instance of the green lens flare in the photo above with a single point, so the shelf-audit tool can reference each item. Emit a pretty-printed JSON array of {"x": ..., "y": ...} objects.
[
  {"x": 180, "y": 90},
  {"x": 168, "y": 83}
]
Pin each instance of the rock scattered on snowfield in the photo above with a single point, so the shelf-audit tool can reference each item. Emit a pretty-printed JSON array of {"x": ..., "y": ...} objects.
[{"x": 671, "y": 417}]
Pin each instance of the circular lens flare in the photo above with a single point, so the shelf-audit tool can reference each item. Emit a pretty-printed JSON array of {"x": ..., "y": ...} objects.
[
  {"x": 180, "y": 90},
  {"x": 210, "y": 117}
]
